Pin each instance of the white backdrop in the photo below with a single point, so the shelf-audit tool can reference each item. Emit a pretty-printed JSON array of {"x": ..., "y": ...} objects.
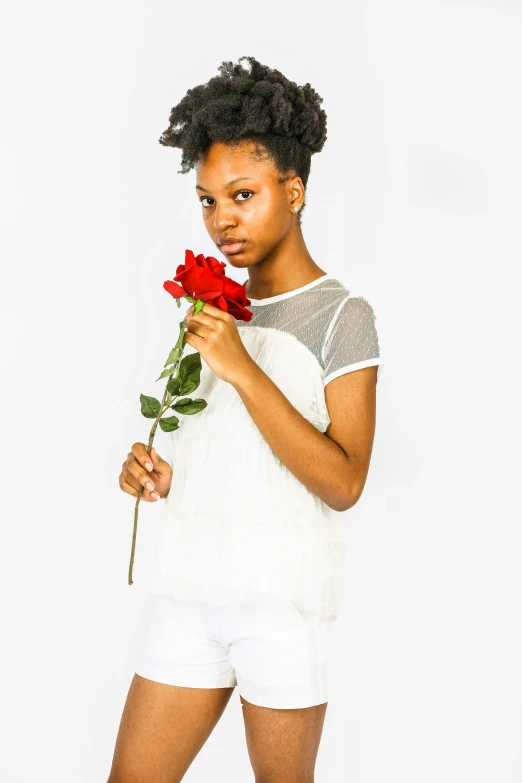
[{"x": 415, "y": 202}]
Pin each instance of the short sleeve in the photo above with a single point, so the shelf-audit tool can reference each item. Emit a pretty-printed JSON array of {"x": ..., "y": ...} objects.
[{"x": 351, "y": 341}]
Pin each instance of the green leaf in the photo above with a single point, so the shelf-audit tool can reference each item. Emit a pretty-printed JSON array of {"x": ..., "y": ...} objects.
[
  {"x": 166, "y": 373},
  {"x": 173, "y": 387},
  {"x": 188, "y": 406},
  {"x": 169, "y": 424},
  {"x": 189, "y": 373},
  {"x": 173, "y": 356},
  {"x": 150, "y": 406}
]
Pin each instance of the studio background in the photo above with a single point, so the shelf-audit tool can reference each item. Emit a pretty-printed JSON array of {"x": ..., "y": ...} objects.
[{"x": 415, "y": 203}]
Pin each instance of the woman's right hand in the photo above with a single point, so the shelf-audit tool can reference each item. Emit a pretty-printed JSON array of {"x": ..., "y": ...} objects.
[{"x": 135, "y": 472}]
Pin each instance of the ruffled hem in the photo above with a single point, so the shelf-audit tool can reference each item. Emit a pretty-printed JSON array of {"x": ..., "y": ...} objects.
[
  {"x": 323, "y": 602},
  {"x": 233, "y": 564}
]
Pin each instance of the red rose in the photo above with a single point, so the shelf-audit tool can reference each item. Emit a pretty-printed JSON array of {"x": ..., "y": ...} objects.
[{"x": 205, "y": 279}]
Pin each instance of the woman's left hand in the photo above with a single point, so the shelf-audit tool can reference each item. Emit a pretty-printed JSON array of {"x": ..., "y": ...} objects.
[{"x": 214, "y": 334}]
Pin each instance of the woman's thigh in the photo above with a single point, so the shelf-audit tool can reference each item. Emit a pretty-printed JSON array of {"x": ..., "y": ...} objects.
[
  {"x": 162, "y": 729},
  {"x": 283, "y": 743}
]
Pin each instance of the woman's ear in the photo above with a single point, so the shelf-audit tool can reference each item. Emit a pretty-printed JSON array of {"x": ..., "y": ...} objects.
[{"x": 296, "y": 193}]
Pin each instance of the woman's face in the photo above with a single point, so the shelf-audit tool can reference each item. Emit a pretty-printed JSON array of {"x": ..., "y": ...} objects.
[{"x": 246, "y": 210}]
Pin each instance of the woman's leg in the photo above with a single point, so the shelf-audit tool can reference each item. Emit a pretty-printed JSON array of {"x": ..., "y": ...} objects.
[
  {"x": 283, "y": 743},
  {"x": 162, "y": 729}
]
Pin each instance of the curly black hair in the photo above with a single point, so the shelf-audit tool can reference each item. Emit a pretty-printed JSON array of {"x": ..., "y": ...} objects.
[{"x": 257, "y": 103}]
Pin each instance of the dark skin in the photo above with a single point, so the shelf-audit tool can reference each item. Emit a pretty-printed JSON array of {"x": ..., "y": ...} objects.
[
  {"x": 260, "y": 210},
  {"x": 163, "y": 727}
]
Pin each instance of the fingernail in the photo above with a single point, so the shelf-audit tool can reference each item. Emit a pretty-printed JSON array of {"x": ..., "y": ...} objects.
[
  {"x": 154, "y": 495},
  {"x": 148, "y": 466}
]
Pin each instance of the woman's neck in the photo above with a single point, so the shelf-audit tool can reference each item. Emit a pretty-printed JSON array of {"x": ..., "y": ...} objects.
[{"x": 287, "y": 267}]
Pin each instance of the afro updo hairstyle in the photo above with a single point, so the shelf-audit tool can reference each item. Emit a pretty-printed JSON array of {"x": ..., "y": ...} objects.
[{"x": 285, "y": 122}]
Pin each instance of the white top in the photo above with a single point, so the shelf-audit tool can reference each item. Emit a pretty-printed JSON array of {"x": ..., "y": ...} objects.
[{"x": 240, "y": 528}]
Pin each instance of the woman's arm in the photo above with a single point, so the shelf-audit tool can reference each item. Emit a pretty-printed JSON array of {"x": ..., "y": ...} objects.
[{"x": 334, "y": 464}]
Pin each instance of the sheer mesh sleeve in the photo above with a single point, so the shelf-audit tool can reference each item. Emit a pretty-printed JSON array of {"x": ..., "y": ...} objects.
[{"x": 351, "y": 341}]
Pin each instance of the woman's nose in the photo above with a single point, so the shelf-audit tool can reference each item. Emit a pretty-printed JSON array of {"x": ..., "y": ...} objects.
[{"x": 223, "y": 218}]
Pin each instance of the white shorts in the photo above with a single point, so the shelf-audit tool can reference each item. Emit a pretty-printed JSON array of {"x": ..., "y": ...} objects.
[{"x": 276, "y": 656}]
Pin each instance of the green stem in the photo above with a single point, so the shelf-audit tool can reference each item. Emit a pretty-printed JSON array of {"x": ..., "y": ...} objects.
[{"x": 163, "y": 408}]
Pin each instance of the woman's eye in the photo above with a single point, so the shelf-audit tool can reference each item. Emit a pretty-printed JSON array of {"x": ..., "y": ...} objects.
[
  {"x": 246, "y": 193},
  {"x": 206, "y": 198}
]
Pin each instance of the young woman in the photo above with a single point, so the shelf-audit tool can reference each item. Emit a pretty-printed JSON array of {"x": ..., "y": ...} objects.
[{"x": 249, "y": 572}]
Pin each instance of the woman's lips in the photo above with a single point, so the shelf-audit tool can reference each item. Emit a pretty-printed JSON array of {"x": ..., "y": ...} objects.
[{"x": 232, "y": 247}]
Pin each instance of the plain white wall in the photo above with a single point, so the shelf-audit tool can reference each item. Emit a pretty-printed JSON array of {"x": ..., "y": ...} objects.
[{"x": 415, "y": 202}]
